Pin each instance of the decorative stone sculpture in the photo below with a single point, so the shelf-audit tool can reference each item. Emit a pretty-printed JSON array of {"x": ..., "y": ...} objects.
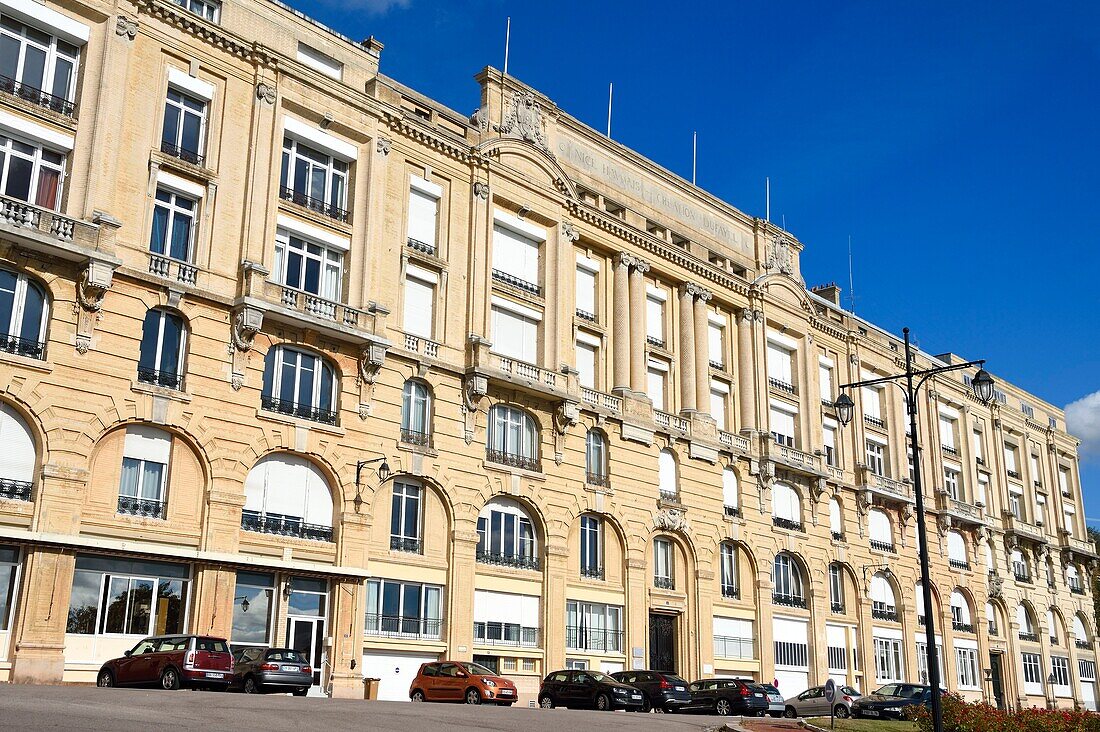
[{"x": 524, "y": 120}]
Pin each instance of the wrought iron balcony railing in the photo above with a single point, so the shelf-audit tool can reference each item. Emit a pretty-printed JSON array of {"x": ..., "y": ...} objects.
[
  {"x": 318, "y": 205},
  {"x": 513, "y": 460},
  {"x": 145, "y": 507},
  {"x": 1021, "y": 576},
  {"x": 1077, "y": 589},
  {"x": 1082, "y": 644},
  {"x": 732, "y": 511},
  {"x": 187, "y": 156},
  {"x": 958, "y": 564},
  {"x": 592, "y": 572},
  {"x": 396, "y": 626},
  {"x": 788, "y": 600},
  {"x": 15, "y": 490},
  {"x": 420, "y": 246},
  {"x": 281, "y": 525},
  {"x": 416, "y": 437},
  {"x": 717, "y": 365},
  {"x": 664, "y": 583},
  {"x": 583, "y": 638},
  {"x": 23, "y": 347},
  {"x": 499, "y": 559},
  {"x": 885, "y": 613},
  {"x": 875, "y": 421},
  {"x": 837, "y": 607},
  {"x": 167, "y": 379},
  {"x": 950, "y": 449},
  {"x": 514, "y": 281},
  {"x": 294, "y": 409},
  {"x": 785, "y": 523},
  {"x": 655, "y": 341},
  {"x": 585, "y": 315},
  {"x": 783, "y": 386},
  {"x": 1013, "y": 474},
  {"x": 406, "y": 544},
  {"x": 37, "y": 97},
  {"x": 883, "y": 546},
  {"x": 962, "y": 627},
  {"x": 1029, "y": 637},
  {"x": 838, "y": 535},
  {"x": 600, "y": 479},
  {"x": 506, "y": 634},
  {"x": 732, "y": 592}
]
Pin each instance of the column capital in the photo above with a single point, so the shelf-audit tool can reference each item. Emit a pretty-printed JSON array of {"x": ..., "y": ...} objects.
[
  {"x": 690, "y": 289},
  {"x": 633, "y": 261},
  {"x": 749, "y": 315}
]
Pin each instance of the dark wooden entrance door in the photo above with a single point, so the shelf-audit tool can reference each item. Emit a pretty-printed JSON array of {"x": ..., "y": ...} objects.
[
  {"x": 997, "y": 680},
  {"x": 662, "y": 642}
]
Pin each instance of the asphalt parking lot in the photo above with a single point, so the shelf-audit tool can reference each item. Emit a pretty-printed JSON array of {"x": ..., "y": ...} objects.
[{"x": 122, "y": 710}]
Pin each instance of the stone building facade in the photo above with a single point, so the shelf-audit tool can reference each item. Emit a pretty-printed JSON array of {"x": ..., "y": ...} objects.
[{"x": 237, "y": 263}]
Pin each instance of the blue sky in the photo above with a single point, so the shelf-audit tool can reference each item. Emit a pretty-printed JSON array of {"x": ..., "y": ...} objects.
[{"x": 956, "y": 143}]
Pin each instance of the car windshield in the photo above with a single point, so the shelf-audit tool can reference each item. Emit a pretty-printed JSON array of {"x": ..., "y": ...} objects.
[
  {"x": 888, "y": 690},
  {"x": 285, "y": 654},
  {"x": 755, "y": 688},
  {"x": 478, "y": 670},
  {"x": 769, "y": 688},
  {"x": 911, "y": 692},
  {"x": 849, "y": 691}
]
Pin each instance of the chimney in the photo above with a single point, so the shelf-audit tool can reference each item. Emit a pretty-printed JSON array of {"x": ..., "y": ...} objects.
[{"x": 829, "y": 291}]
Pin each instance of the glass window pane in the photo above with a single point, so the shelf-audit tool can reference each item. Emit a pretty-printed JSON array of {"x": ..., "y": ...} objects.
[
  {"x": 170, "y": 344},
  {"x": 84, "y": 603},
  {"x": 131, "y": 472},
  {"x": 118, "y": 592},
  {"x": 171, "y": 123},
  {"x": 141, "y": 601},
  {"x": 34, "y": 304},
  {"x": 159, "y": 235},
  {"x": 62, "y": 78},
  {"x": 181, "y": 237},
  {"x": 151, "y": 481},
  {"x": 192, "y": 131},
  {"x": 9, "y": 56},
  {"x": 34, "y": 67},
  {"x": 18, "y": 184},
  {"x": 252, "y": 625},
  {"x": 170, "y": 603}
]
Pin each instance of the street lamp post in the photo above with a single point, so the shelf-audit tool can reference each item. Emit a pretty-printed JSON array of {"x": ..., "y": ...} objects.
[{"x": 983, "y": 387}]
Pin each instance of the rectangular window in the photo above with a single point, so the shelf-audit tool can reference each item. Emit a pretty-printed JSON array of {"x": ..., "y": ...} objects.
[
  {"x": 39, "y": 67},
  {"x": 516, "y": 258},
  {"x": 315, "y": 179},
  {"x": 780, "y": 370},
  {"x": 252, "y": 606},
  {"x": 405, "y": 512},
  {"x": 979, "y": 447},
  {"x": 504, "y": 618},
  {"x": 872, "y": 405},
  {"x": 128, "y": 597},
  {"x": 922, "y": 660},
  {"x": 318, "y": 61},
  {"x": 1010, "y": 461},
  {"x": 876, "y": 457},
  {"x": 183, "y": 133},
  {"x": 980, "y": 493},
  {"x": 144, "y": 476},
  {"x": 591, "y": 547},
  {"x": 310, "y": 267},
  {"x": 716, "y": 343},
  {"x": 1063, "y": 482},
  {"x": 419, "y": 313},
  {"x": 655, "y": 318},
  {"x": 656, "y": 381},
  {"x": 733, "y": 638},
  {"x": 423, "y": 215},
  {"x": 887, "y": 660},
  {"x": 825, "y": 377},
  {"x": 729, "y": 571},
  {"x": 947, "y": 434},
  {"x": 829, "y": 434},
  {"x": 662, "y": 564},
  {"x": 593, "y": 626},
  {"x": 586, "y": 361},
  {"x": 1015, "y": 503},
  {"x": 208, "y": 9},
  {"x": 403, "y": 609},
  {"x": 719, "y": 395},
  {"x": 836, "y": 590},
  {"x": 587, "y": 271},
  {"x": 783, "y": 424},
  {"x": 515, "y": 331},
  {"x": 966, "y": 667},
  {"x": 31, "y": 173},
  {"x": 9, "y": 576},
  {"x": 951, "y": 482},
  {"x": 173, "y": 226},
  {"x": 1033, "y": 673}
]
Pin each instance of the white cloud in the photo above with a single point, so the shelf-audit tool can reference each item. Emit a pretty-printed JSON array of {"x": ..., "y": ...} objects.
[
  {"x": 1083, "y": 421},
  {"x": 371, "y": 7}
]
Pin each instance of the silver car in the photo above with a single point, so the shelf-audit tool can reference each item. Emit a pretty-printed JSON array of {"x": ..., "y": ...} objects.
[
  {"x": 775, "y": 701},
  {"x": 812, "y": 703}
]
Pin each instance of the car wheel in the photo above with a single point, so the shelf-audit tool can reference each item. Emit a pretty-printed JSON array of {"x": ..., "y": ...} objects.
[
  {"x": 105, "y": 679},
  {"x": 722, "y": 707},
  {"x": 300, "y": 692},
  {"x": 790, "y": 713},
  {"x": 546, "y": 702},
  {"x": 170, "y": 679},
  {"x": 841, "y": 711},
  {"x": 647, "y": 706},
  {"x": 473, "y": 696},
  {"x": 603, "y": 703},
  {"x": 250, "y": 686},
  {"x": 417, "y": 696}
]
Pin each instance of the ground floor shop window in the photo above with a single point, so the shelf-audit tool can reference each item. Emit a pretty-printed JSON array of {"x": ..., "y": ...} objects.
[
  {"x": 114, "y": 596},
  {"x": 403, "y": 609},
  {"x": 252, "y": 605},
  {"x": 887, "y": 660},
  {"x": 9, "y": 573}
]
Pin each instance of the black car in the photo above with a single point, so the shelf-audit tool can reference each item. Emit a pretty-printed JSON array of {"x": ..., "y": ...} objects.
[
  {"x": 662, "y": 690},
  {"x": 890, "y": 701},
  {"x": 728, "y": 696},
  {"x": 262, "y": 670},
  {"x": 578, "y": 689}
]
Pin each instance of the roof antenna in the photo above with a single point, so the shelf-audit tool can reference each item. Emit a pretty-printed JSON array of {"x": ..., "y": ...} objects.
[
  {"x": 694, "y": 150},
  {"x": 851, "y": 279},
  {"x": 507, "y": 42},
  {"x": 767, "y": 199},
  {"x": 610, "y": 89}
]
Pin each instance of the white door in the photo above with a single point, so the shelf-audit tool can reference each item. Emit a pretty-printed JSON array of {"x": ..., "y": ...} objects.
[
  {"x": 394, "y": 671},
  {"x": 305, "y": 635},
  {"x": 1088, "y": 695},
  {"x": 792, "y": 683},
  {"x": 611, "y": 667}
]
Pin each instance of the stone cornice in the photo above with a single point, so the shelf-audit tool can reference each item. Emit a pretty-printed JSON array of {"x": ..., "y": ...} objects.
[
  {"x": 209, "y": 33},
  {"x": 401, "y": 123}
]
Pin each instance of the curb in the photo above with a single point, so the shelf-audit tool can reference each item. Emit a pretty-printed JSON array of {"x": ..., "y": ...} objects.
[{"x": 812, "y": 727}]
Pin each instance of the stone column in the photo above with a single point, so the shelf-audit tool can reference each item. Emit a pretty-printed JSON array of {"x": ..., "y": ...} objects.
[
  {"x": 555, "y": 576},
  {"x": 637, "y": 326},
  {"x": 620, "y": 321},
  {"x": 346, "y": 652},
  {"x": 688, "y": 352},
  {"x": 39, "y": 634},
  {"x": 460, "y": 615},
  {"x": 702, "y": 351},
  {"x": 746, "y": 375}
]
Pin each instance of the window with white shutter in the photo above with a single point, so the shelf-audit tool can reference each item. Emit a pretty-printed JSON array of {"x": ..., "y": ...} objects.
[
  {"x": 586, "y": 364},
  {"x": 515, "y": 330},
  {"x": 779, "y": 367},
  {"x": 655, "y": 317},
  {"x": 825, "y": 377},
  {"x": 730, "y": 497},
  {"x": 782, "y": 424},
  {"x": 872, "y": 405},
  {"x": 716, "y": 345},
  {"x": 419, "y": 313},
  {"x": 423, "y": 214},
  {"x": 719, "y": 395},
  {"x": 587, "y": 269},
  {"x": 18, "y": 458},
  {"x": 516, "y": 253},
  {"x": 657, "y": 376}
]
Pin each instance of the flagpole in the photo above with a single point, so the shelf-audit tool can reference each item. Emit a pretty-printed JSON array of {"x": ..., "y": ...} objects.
[
  {"x": 610, "y": 89},
  {"x": 507, "y": 41},
  {"x": 694, "y": 149}
]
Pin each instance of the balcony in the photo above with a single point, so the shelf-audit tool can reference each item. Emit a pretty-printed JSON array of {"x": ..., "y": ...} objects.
[
  {"x": 1021, "y": 575},
  {"x": 793, "y": 458},
  {"x": 600, "y": 479},
  {"x": 950, "y": 450},
  {"x": 515, "y": 561},
  {"x": 732, "y": 441},
  {"x": 1025, "y": 530},
  {"x": 717, "y": 365},
  {"x": 417, "y": 344},
  {"x": 15, "y": 490},
  {"x": 980, "y": 461},
  {"x": 1078, "y": 590},
  {"x": 396, "y": 626},
  {"x": 37, "y": 97},
  {"x": 888, "y": 613},
  {"x": 50, "y": 228},
  {"x": 416, "y": 437},
  {"x": 960, "y": 564},
  {"x": 836, "y": 607},
  {"x": 166, "y": 379},
  {"x": 281, "y": 525},
  {"x": 732, "y": 511},
  {"x": 187, "y": 156},
  {"x": 301, "y": 411},
  {"x": 837, "y": 535},
  {"x": 671, "y": 421},
  {"x": 962, "y": 627},
  {"x": 782, "y": 386},
  {"x": 172, "y": 269},
  {"x": 505, "y": 634},
  {"x": 406, "y": 544},
  {"x": 523, "y": 375},
  {"x": 887, "y": 488},
  {"x": 516, "y": 282},
  {"x": 1084, "y": 644},
  {"x": 964, "y": 512},
  {"x": 789, "y": 600},
  {"x": 421, "y": 246},
  {"x": 585, "y": 315},
  {"x": 1078, "y": 546},
  {"x": 23, "y": 347},
  {"x": 655, "y": 341},
  {"x": 143, "y": 507},
  {"x": 320, "y": 307},
  {"x": 1029, "y": 637},
  {"x": 582, "y": 638},
  {"x": 883, "y": 546},
  {"x": 785, "y": 523},
  {"x": 595, "y": 573},
  {"x": 726, "y": 646},
  {"x": 513, "y": 460},
  {"x": 731, "y": 592},
  {"x": 601, "y": 400},
  {"x": 1013, "y": 474},
  {"x": 874, "y": 421},
  {"x": 664, "y": 583},
  {"x": 316, "y": 205}
]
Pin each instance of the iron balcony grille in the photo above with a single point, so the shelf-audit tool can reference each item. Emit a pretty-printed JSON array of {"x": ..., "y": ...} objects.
[
  {"x": 785, "y": 523},
  {"x": 599, "y": 479},
  {"x": 789, "y": 600},
  {"x": 922, "y": 621},
  {"x": 167, "y": 379},
  {"x": 838, "y": 536},
  {"x": 731, "y": 591},
  {"x": 882, "y": 546},
  {"x": 979, "y": 461},
  {"x": 406, "y": 544},
  {"x": 1029, "y": 637},
  {"x": 962, "y": 627},
  {"x": 780, "y": 385},
  {"x": 416, "y": 437},
  {"x": 582, "y": 638},
  {"x": 506, "y": 634},
  {"x": 1067, "y": 494},
  {"x": 733, "y": 511},
  {"x": 585, "y": 315},
  {"x": 718, "y": 365},
  {"x": 837, "y": 607},
  {"x": 1038, "y": 484},
  {"x": 655, "y": 341},
  {"x": 500, "y": 559},
  {"x": 516, "y": 282},
  {"x": 294, "y": 409},
  {"x": 592, "y": 572},
  {"x": 950, "y": 450},
  {"x": 1021, "y": 576},
  {"x": 1053, "y": 640},
  {"x": 885, "y": 613},
  {"x": 23, "y": 347},
  {"x": 958, "y": 564},
  {"x": 187, "y": 156},
  {"x": 1077, "y": 590},
  {"x": 396, "y": 626},
  {"x": 993, "y": 630},
  {"x": 513, "y": 460},
  {"x": 420, "y": 246},
  {"x": 874, "y": 421},
  {"x": 281, "y": 525},
  {"x": 314, "y": 204},
  {"x": 36, "y": 96},
  {"x": 664, "y": 583},
  {"x": 15, "y": 490},
  {"x": 144, "y": 507},
  {"x": 1013, "y": 474},
  {"x": 1082, "y": 644}
]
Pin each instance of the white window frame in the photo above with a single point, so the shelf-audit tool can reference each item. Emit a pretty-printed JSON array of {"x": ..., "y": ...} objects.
[
  {"x": 492, "y": 538},
  {"x": 35, "y": 153},
  {"x": 14, "y": 327},
  {"x": 329, "y": 259},
  {"x": 335, "y": 169},
  {"x": 206, "y": 9},
  {"x": 512, "y": 431},
  {"x": 664, "y": 562},
  {"x": 406, "y": 496}
]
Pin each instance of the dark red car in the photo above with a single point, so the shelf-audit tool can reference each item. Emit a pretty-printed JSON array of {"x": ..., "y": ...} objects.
[{"x": 172, "y": 661}]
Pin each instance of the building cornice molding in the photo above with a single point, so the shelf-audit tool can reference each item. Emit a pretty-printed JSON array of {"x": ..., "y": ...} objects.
[
  {"x": 407, "y": 126},
  {"x": 211, "y": 34}
]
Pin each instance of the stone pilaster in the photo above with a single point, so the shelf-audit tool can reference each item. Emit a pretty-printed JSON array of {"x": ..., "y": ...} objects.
[
  {"x": 746, "y": 376},
  {"x": 553, "y": 604},
  {"x": 346, "y": 632},
  {"x": 620, "y": 322},
  {"x": 688, "y": 352},
  {"x": 39, "y": 653},
  {"x": 460, "y": 613},
  {"x": 702, "y": 353},
  {"x": 637, "y": 326}
]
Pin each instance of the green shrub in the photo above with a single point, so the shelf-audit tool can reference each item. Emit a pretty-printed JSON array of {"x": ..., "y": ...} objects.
[{"x": 961, "y": 716}]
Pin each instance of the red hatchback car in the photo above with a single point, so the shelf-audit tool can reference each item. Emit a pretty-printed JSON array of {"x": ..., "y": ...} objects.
[{"x": 172, "y": 661}]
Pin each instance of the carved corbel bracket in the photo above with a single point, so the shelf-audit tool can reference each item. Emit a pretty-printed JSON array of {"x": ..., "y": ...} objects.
[
  {"x": 481, "y": 190},
  {"x": 371, "y": 359},
  {"x": 266, "y": 92},
  {"x": 569, "y": 232},
  {"x": 91, "y": 289},
  {"x": 474, "y": 389},
  {"x": 246, "y": 323},
  {"x": 565, "y": 416},
  {"x": 943, "y": 523},
  {"x": 126, "y": 27}
]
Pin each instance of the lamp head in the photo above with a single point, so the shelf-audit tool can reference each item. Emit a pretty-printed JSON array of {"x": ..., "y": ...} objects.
[
  {"x": 245, "y": 604},
  {"x": 983, "y": 386},
  {"x": 845, "y": 409},
  {"x": 383, "y": 471}
]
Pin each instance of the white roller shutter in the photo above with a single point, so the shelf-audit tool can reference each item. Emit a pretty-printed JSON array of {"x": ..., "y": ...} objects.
[
  {"x": 17, "y": 456},
  {"x": 289, "y": 485},
  {"x": 147, "y": 443},
  {"x": 515, "y": 253},
  {"x": 419, "y": 301},
  {"x": 423, "y": 210}
]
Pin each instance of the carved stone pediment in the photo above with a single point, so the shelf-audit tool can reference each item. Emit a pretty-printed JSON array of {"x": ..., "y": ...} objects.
[
  {"x": 671, "y": 519},
  {"x": 523, "y": 119}
]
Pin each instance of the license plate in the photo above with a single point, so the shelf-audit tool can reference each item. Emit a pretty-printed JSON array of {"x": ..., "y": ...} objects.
[
  {"x": 635, "y": 696},
  {"x": 679, "y": 688},
  {"x": 212, "y": 675},
  {"x": 758, "y": 696},
  {"x": 505, "y": 692},
  {"x": 869, "y": 713},
  {"x": 295, "y": 669}
]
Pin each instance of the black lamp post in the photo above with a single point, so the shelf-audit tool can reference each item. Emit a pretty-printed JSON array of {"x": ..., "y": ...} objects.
[{"x": 983, "y": 387}]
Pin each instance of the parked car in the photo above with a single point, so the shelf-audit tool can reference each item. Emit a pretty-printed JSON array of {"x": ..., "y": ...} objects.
[
  {"x": 175, "y": 661},
  {"x": 262, "y": 670},
  {"x": 776, "y": 707},
  {"x": 461, "y": 681},
  {"x": 891, "y": 700},
  {"x": 812, "y": 703},
  {"x": 663, "y": 691},
  {"x": 577, "y": 689},
  {"x": 728, "y": 696}
]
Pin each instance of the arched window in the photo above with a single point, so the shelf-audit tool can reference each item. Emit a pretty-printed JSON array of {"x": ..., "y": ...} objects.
[
  {"x": 836, "y": 588},
  {"x": 513, "y": 438},
  {"x": 163, "y": 345},
  {"x": 882, "y": 533},
  {"x": 592, "y": 546},
  {"x": 960, "y": 613},
  {"x": 992, "y": 618},
  {"x": 595, "y": 458},
  {"x": 787, "y": 582},
  {"x": 836, "y": 519},
  {"x": 730, "y": 586},
  {"x": 23, "y": 314},
  {"x": 1021, "y": 570},
  {"x": 406, "y": 516},
  {"x": 1073, "y": 579},
  {"x": 1081, "y": 637},
  {"x": 731, "y": 499},
  {"x": 143, "y": 484},
  {"x": 786, "y": 507},
  {"x": 988, "y": 551},
  {"x": 18, "y": 456},
  {"x": 1027, "y": 624},
  {"x": 956, "y": 551},
  {"x": 1052, "y": 629},
  {"x": 506, "y": 535},
  {"x": 288, "y": 495},
  {"x": 884, "y": 605},
  {"x": 666, "y": 474},
  {"x": 416, "y": 413},
  {"x": 919, "y": 595},
  {"x": 300, "y": 384}
]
